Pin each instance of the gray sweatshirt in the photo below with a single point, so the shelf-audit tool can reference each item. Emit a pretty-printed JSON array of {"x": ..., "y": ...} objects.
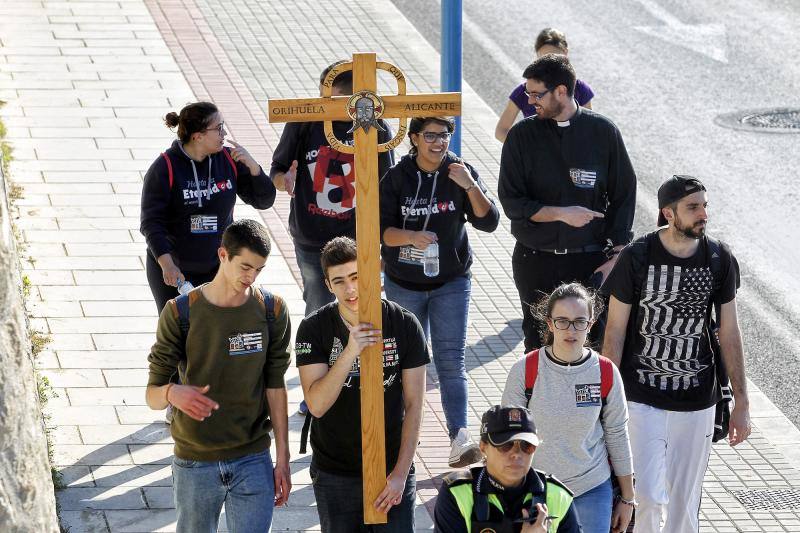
[{"x": 575, "y": 441}]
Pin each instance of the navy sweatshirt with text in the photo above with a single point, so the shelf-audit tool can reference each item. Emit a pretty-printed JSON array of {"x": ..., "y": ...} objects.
[
  {"x": 406, "y": 192},
  {"x": 186, "y": 218}
]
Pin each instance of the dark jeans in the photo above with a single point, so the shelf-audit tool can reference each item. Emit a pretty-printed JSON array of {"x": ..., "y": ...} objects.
[
  {"x": 339, "y": 504},
  {"x": 315, "y": 292},
  {"x": 536, "y": 274},
  {"x": 162, "y": 292}
]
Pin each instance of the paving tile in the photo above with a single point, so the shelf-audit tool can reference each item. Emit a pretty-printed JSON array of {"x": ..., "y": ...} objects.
[
  {"x": 84, "y": 521},
  {"x": 152, "y": 453},
  {"x": 159, "y": 497},
  {"x": 113, "y": 308},
  {"x": 135, "y": 414},
  {"x": 160, "y": 520},
  {"x": 155, "y": 433},
  {"x": 126, "y": 223},
  {"x": 107, "y": 396},
  {"x": 133, "y": 476},
  {"x": 39, "y": 309},
  {"x": 95, "y": 292},
  {"x": 92, "y": 454},
  {"x": 121, "y": 378},
  {"x": 124, "y": 341},
  {"x": 76, "y": 476},
  {"x": 103, "y": 325},
  {"x": 74, "y": 499},
  {"x": 75, "y": 415},
  {"x": 64, "y": 435},
  {"x": 84, "y": 377},
  {"x": 110, "y": 277},
  {"x": 119, "y": 249},
  {"x": 102, "y": 358},
  {"x": 90, "y": 263}
]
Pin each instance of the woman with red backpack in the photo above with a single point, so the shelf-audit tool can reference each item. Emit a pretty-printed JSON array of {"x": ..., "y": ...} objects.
[
  {"x": 578, "y": 405},
  {"x": 188, "y": 196}
]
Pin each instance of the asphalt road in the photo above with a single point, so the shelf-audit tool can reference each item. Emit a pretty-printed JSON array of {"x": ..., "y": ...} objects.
[{"x": 664, "y": 71}]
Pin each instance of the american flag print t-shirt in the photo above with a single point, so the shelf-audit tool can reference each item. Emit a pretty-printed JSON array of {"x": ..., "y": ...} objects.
[{"x": 667, "y": 361}]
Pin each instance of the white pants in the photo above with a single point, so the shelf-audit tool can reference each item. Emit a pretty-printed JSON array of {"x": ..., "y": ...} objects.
[{"x": 670, "y": 456}]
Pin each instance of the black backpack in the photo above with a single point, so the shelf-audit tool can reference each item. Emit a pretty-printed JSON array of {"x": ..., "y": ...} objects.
[{"x": 719, "y": 259}]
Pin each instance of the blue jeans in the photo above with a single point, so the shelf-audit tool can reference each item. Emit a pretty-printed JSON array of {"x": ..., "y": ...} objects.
[
  {"x": 245, "y": 485},
  {"x": 594, "y": 508},
  {"x": 340, "y": 504},
  {"x": 315, "y": 292},
  {"x": 443, "y": 313}
]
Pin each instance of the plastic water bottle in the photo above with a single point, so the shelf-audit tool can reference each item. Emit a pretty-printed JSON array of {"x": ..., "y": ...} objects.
[
  {"x": 430, "y": 260},
  {"x": 184, "y": 286}
]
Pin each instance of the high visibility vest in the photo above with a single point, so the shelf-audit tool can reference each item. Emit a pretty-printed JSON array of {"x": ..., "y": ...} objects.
[{"x": 557, "y": 498}]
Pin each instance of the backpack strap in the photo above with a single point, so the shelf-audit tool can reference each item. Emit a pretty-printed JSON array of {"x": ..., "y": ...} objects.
[
  {"x": 182, "y": 305},
  {"x": 232, "y": 162},
  {"x": 606, "y": 377},
  {"x": 169, "y": 168},
  {"x": 271, "y": 309},
  {"x": 531, "y": 373}
]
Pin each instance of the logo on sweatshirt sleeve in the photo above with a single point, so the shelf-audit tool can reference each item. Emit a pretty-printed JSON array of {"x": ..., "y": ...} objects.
[{"x": 245, "y": 343}]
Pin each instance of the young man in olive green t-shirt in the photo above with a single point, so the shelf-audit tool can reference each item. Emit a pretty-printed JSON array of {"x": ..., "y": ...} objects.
[{"x": 231, "y": 364}]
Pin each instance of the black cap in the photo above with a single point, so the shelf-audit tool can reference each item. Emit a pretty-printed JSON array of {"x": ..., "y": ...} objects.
[
  {"x": 502, "y": 424},
  {"x": 675, "y": 188}
]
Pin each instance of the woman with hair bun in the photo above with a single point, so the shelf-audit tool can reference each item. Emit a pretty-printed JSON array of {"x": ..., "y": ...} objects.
[
  {"x": 188, "y": 196},
  {"x": 549, "y": 41},
  {"x": 578, "y": 405},
  {"x": 426, "y": 200}
]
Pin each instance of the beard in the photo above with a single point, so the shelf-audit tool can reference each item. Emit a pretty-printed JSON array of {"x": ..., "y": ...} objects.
[
  {"x": 550, "y": 112},
  {"x": 696, "y": 231}
]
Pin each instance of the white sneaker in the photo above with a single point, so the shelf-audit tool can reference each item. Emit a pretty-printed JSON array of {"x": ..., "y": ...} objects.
[{"x": 463, "y": 450}]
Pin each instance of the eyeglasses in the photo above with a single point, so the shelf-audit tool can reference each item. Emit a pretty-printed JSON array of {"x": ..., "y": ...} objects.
[
  {"x": 219, "y": 127},
  {"x": 536, "y": 96},
  {"x": 524, "y": 446},
  {"x": 431, "y": 136},
  {"x": 580, "y": 324}
]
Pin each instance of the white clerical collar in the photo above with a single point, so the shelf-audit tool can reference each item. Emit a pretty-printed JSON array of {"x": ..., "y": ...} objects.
[{"x": 563, "y": 124}]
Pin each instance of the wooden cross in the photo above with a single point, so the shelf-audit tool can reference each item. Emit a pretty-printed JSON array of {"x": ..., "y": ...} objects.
[{"x": 363, "y": 108}]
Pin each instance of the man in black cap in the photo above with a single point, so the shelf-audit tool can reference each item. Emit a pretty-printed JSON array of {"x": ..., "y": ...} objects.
[
  {"x": 506, "y": 495},
  {"x": 665, "y": 288}
]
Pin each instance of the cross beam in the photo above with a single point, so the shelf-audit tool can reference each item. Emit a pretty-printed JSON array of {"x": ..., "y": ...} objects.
[{"x": 366, "y": 148}]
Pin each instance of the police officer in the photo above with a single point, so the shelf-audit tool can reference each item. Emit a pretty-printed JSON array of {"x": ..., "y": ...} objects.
[
  {"x": 506, "y": 495},
  {"x": 568, "y": 186}
]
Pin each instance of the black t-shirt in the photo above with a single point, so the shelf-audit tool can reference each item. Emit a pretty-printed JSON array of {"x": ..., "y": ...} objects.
[
  {"x": 667, "y": 361},
  {"x": 336, "y": 436},
  {"x": 323, "y": 206}
]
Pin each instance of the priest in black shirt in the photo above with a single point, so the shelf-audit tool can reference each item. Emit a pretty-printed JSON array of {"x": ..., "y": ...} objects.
[
  {"x": 567, "y": 185},
  {"x": 328, "y": 345}
]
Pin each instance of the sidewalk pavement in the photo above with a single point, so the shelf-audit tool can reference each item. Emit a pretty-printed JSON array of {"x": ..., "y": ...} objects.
[{"x": 87, "y": 83}]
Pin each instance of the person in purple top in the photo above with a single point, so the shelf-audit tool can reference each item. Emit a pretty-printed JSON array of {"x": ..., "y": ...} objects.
[{"x": 549, "y": 41}]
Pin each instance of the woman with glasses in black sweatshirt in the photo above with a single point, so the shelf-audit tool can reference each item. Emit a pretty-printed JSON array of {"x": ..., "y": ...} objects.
[{"x": 426, "y": 199}]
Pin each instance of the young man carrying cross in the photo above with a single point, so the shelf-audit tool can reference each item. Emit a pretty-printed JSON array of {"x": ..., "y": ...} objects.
[
  {"x": 328, "y": 345},
  {"x": 230, "y": 344}
]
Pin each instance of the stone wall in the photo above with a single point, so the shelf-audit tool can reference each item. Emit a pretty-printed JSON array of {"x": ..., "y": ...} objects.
[{"x": 27, "y": 502}]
